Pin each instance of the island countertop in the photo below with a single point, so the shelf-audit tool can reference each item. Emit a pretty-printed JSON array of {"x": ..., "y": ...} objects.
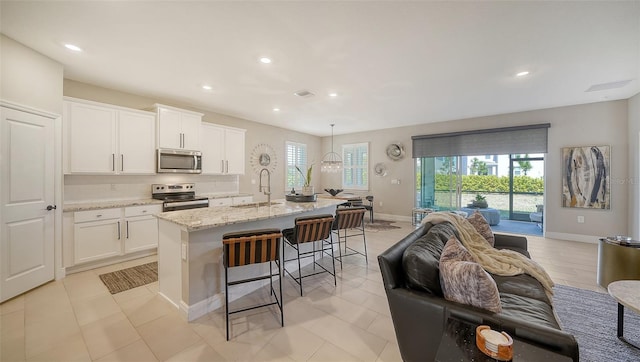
[{"x": 205, "y": 218}]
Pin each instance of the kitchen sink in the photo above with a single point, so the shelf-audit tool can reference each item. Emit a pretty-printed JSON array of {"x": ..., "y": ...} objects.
[{"x": 256, "y": 204}]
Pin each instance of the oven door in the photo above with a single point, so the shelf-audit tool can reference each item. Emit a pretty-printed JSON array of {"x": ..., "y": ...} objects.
[
  {"x": 179, "y": 161},
  {"x": 184, "y": 205}
]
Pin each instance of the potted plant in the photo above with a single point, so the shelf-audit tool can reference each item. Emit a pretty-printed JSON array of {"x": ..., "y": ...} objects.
[
  {"x": 480, "y": 202},
  {"x": 307, "y": 189}
]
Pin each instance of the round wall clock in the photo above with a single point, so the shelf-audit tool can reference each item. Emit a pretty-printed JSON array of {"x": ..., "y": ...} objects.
[
  {"x": 263, "y": 156},
  {"x": 395, "y": 151}
]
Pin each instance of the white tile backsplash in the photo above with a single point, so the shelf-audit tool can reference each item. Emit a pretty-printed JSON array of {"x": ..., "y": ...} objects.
[{"x": 81, "y": 188}]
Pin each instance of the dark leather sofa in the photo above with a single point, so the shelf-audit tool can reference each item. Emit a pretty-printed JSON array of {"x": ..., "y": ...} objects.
[{"x": 419, "y": 316}]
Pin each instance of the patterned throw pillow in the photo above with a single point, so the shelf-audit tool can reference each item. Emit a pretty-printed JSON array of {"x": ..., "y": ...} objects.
[
  {"x": 464, "y": 281},
  {"x": 482, "y": 227}
]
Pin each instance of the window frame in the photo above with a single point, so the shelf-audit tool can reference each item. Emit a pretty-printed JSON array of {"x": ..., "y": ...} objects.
[
  {"x": 289, "y": 169},
  {"x": 365, "y": 174}
]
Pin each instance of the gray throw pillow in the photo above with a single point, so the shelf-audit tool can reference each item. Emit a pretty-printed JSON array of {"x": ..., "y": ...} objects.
[
  {"x": 421, "y": 259},
  {"x": 464, "y": 281}
]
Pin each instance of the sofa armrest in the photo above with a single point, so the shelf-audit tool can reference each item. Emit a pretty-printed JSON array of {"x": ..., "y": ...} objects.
[{"x": 504, "y": 241}]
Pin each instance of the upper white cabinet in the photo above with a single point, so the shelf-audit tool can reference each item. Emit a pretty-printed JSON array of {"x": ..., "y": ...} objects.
[
  {"x": 105, "y": 139},
  {"x": 178, "y": 128},
  {"x": 222, "y": 149}
]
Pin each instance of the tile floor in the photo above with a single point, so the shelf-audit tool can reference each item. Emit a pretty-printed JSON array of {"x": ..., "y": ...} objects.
[{"x": 76, "y": 319}]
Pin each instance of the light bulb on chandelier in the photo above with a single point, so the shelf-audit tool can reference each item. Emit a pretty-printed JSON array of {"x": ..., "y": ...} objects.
[{"x": 331, "y": 162}]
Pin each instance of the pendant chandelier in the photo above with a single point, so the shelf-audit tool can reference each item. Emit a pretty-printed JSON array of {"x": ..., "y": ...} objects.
[{"x": 331, "y": 162}]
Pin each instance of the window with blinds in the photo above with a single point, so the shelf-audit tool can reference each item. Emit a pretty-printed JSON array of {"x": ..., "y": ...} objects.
[
  {"x": 296, "y": 155},
  {"x": 355, "y": 166}
]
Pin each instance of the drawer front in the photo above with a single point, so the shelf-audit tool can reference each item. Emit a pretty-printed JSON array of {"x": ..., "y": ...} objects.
[
  {"x": 142, "y": 210},
  {"x": 239, "y": 200},
  {"x": 225, "y": 201},
  {"x": 96, "y": 215}
]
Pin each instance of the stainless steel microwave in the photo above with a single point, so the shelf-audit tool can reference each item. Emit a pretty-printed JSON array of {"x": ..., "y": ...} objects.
[{"x": 179, "y": 161}]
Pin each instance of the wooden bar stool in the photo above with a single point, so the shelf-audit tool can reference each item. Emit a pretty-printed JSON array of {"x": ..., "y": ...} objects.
[
  {"x": 310, "y": 229},
  {"x": 349, "y": 223},
  {"x": 252, "y": 247}
]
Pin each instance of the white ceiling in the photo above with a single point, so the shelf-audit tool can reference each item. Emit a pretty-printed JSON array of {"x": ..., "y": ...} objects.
[{"x": 392, "y": 63}]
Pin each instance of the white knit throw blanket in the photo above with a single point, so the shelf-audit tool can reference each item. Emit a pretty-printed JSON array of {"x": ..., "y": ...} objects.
[{"x": 496, "y": 261}]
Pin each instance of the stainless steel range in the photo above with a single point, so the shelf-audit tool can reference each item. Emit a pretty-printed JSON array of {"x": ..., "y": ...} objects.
[{"x": 178, "y": 196}]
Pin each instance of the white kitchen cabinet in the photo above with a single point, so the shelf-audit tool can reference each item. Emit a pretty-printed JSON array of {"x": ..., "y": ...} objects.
[
  {"x": 137, "y": 143},
  {"x": 97, "y": 235},
  {"x": 141, "y": 228},
  {"x": 221, "y": 201},
  {"x": 239, "y": 200},
  {"x": 91, "y": 137},
  {"x": 178, "y": 128},
  {"x": 104, "y": 233},
  {"x": 222, "y": 149},
  {"x": 105, "y": 139}
]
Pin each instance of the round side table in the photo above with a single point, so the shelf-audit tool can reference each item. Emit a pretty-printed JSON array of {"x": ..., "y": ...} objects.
[{"x": 627, "y": 294}]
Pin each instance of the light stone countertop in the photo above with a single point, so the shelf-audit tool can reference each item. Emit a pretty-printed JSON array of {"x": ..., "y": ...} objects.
[
  {"x": 206, "y": 218},
  {"x": 97, "y": 205},
  {"x": 108, "y": 204}
]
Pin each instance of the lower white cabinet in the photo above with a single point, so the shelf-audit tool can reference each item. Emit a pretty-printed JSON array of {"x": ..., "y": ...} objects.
[
  {"x": 100, "y": 234},
  {"x": 221, "y": 201},
  {"x": 96, "y": 235},
  {"x": 228, "y": 201},
  {"x": 239, "y": 200},
  {"x": 141, "y": 228}
]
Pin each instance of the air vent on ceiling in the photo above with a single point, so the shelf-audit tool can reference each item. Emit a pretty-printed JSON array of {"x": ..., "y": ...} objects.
[
  {"x": 610, "y": 85},
  {"x": 304, "y": 93}
]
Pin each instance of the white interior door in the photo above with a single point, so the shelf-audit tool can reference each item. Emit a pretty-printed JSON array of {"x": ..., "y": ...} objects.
[{"x": 26, "y": 191}]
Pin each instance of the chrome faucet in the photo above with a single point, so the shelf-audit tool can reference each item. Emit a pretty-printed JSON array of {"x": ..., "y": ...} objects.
[{"x": 266, "y": 189}]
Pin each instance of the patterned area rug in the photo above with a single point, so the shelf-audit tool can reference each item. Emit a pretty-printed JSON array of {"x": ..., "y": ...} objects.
[
  {"x": 379, "y": 225},
  {"x": 125, "y": 279},
  {"x": 592, "y": 318}
]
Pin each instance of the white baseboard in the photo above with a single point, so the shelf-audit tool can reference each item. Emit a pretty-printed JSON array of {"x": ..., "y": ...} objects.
[
  {"x": 197, "y": 310},
  {"x": 391, "y": 217},
  {"x": 573, "y": 237}
]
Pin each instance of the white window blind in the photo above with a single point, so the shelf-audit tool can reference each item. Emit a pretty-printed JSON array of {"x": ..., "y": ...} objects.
[
  {"x": 355, "y": 166},
  {"x": 296, "y": 156}
]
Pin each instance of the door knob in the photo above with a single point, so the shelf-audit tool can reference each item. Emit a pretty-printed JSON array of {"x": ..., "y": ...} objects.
[{"x": 51, "y": 207}]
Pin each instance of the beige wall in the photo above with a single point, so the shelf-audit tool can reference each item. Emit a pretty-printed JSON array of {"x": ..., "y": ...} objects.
[
  {"x": 257, "y": 133},
  {"x": 29, "y": 78},
  {"x": 634, "y": 166},
  {"x": 603, "y": 123}
]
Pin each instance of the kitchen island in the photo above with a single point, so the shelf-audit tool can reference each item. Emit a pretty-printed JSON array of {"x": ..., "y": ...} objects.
[{"x": 190, "y": 269}]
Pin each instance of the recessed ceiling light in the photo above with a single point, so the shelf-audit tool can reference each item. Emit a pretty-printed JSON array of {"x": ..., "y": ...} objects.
[
  {"x": 265, "y": 60},
  {"x": 207, "y": 87},
  {"x": 75, "y": 48},
  {"x": 522, "y": 74},
  {"x": 276, "y": 109},
  {"x": 333, "y": 94}
]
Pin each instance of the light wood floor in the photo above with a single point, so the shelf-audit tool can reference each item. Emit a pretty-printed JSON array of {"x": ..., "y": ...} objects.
[{"x": 76, "y": 319}]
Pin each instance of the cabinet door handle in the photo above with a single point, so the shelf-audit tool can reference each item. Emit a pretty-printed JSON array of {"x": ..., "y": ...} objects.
[
  {"x": 222, "y": 166},
  {"x": 226, "y": 170},
  {"x": 118, "y": 230},
  {"x": 113, "y": 162},
  {"x": 99, "y": 215},
  {"x": 127, "y": 229},
  {"x": 121, "y": 162},
  {"x": 181, "y": 140}
]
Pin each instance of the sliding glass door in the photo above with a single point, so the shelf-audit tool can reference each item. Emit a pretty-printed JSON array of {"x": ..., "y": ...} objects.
[
  {"x": 438, "y": 183},
  {"x": 513, "y": 183},
  {"x": 526, "y": 185}
]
